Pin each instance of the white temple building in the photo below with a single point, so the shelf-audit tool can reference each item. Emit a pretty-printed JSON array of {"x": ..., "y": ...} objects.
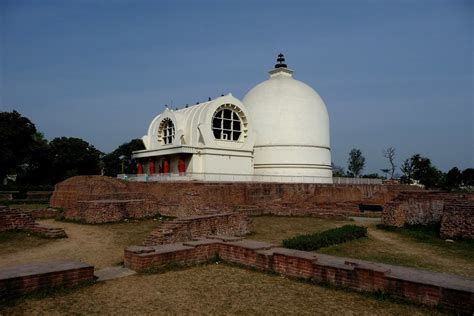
[{"x": 279, "y": 132}]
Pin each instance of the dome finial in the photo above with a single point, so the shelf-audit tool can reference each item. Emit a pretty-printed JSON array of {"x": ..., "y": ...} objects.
[{"x": 280, "y": 61}]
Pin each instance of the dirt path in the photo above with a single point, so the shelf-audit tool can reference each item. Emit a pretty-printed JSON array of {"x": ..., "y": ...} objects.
[
  {"x": 423, "y": 252},
  {"x": 100, "y": 245}
]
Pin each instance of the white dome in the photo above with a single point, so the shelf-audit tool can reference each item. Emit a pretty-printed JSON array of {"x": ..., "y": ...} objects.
[{"x": 291, "y": 124}]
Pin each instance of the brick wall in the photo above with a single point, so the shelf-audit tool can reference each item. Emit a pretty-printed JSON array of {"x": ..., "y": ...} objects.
[
  {"x": 417, "y": 208},
  {"x": 448, "y": 291},
  {"x": 198, "y": 198},
  {"x": 11, "y": 219},
  {"x": 112, "y": 210},
  {"x": 188, "y": 228},
  {"x": 24, "y": 279},
  {"x": 458, "y": 220},
  {"x": 17, "y": 219},
  {"x": 454, "y": 213}
]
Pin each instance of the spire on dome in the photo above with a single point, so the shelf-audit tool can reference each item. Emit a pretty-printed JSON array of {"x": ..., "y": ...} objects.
[
  {"x": 280, "y": 69},
  {"x": 281, "y": 61}
]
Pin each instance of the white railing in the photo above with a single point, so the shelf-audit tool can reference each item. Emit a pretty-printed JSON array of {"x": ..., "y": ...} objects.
[
  {"x": 337, "y": 180},
  {"x": 225, "y": 177}
]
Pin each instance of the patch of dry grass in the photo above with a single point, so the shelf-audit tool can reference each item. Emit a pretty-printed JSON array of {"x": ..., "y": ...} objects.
[
  {"x": 276, "y": 228},
  {"x": 17, "y": 241},
  {"x": 210, "y": 290},
  {"x": 399, "y": 249},
  {"x": 379, "y": 246},
  {"x": 100, "y": 245}
]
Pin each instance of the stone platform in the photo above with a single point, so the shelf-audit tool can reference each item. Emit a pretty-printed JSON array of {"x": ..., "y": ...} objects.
[{"x": 29, "y": 278}]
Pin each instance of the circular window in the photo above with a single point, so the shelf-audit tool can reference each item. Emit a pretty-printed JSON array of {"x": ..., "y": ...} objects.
[
  {"x": 226, "y": 123},
  {"x": 166, "y": 132}
]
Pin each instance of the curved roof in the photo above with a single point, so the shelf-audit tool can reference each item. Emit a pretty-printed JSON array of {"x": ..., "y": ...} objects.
[
  {"x": 193, "y": 126},
  {"x": 287, "y": 111}
]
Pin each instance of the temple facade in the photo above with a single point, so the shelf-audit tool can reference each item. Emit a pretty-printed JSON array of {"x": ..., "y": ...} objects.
[{"x": 279, "y": 132}]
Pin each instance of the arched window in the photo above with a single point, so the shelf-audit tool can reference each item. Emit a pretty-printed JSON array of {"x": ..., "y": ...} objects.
[
  {"x": 226, "y": 123},
  {"x": 166, "y": 132}
]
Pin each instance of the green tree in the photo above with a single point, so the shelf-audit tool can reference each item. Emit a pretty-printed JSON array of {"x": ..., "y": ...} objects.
[
  {"x": 407, "y": 169},
  {"x": 37, "y": 164},
  {"x": 468, "y": 177},
  {"x": 16, "y": 141},
  {"x": 453, "y": 179},
  {"x": 123, "y": 154},
  {"x": 356, "y": 163},
  {"x": 420, "y": 168},
  {"x": 337, "y": 171},
  {"x": 73, "y": 156}
]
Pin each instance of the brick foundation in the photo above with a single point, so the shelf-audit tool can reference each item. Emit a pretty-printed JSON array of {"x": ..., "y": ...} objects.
[
  {"x": 24, "y": 279},
  {"x": 434, "y": 289},
  {"x": 16, "y": 219},
  {"x": 200, "y": 198},
  {"x": 188, "y": 228}
]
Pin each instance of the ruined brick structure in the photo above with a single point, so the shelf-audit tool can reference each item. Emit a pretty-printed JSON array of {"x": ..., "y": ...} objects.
[
  {"x": 76, "y": 195},
  {"x": 114, "y": 210},
  {"x": 423, "y": 287},
  {"x": 458, "y": 220},
  {"x": 454, "y": 213},
  {"x": 29, "y": 278},
  {"x": 188, "y": 228},
  {"x": 16, "y": 219}
]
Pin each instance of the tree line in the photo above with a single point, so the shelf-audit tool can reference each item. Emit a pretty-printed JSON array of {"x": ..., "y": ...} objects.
[
  {"x": 416, "y": 169},
  {"x": 36, "y": 163}
]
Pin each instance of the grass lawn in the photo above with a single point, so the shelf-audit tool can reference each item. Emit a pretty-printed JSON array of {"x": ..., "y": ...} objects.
[
  {"x": 276, "y": 228},
  {"x": 418, "y": 249},
  {"x": 210, "y": 290}
]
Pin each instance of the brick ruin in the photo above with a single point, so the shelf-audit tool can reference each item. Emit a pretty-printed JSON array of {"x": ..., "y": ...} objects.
[
  {"x": 96, "y": 199},
  {"x": 77, "y": 195},
  {"x": 24, "y": 279},
  {"x": 17, "y": 219},
  {"x": 458, "y": 220},
  {"x": 454, "y": 213},
  {"x": 188, "y": 228},
  {"x": 434, "y": 289}
]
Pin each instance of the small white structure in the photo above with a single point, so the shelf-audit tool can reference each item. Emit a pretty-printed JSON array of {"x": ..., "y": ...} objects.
[{"x": 278, "y": 133}]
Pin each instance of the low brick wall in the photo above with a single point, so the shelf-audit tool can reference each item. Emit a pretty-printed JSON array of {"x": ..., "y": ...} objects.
[
  {"x": 24, "y": 279},
  {"x": 42, "y": 213},
  {"x": 6, "y": 195},
  {"x": 434, "y": 289},
  {"x": 38, "y": 195},
  {"x": 188, "y": 228},
  {"x": 16, "y": 219},
  {"x": 181, "y": 199},
  {"x": 458, "y": 220}
]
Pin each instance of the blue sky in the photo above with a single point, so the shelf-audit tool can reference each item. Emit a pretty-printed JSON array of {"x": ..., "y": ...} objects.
[{"x": 392, "y": 73}]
